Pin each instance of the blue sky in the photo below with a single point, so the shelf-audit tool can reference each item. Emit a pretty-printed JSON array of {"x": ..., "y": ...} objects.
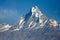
[{"x": 11, "y": 10}]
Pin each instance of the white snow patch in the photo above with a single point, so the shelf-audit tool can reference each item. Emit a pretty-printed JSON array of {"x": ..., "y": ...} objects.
[
  {"x": 53, "y": 22},
  {"x": 30, "y": 23},
  {"x": 33, "y": 26},
  {"x": 21, "y": 21},
  {"x": 36, "y": 14},
  {"x": 5, "y": 28}
]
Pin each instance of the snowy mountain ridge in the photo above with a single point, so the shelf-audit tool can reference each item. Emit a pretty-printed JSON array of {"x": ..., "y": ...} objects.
[{"x": 33, "y": 20}]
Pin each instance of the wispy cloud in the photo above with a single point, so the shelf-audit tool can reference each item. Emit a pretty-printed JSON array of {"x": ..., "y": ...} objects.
[{"x": 8, "y": 14}]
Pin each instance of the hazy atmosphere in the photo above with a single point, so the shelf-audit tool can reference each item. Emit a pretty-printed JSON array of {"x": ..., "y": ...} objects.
[{"x": 29, "y": 19}]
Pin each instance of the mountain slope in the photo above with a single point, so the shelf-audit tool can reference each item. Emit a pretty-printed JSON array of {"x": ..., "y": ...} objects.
[
  {"x": 35, "y": 20},
  {"x": 33, "y": 26}
]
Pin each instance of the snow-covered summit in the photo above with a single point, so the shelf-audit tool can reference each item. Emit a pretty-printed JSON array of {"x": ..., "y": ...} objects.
[
  {"x": 36, "y": 11},
  {"x": 33, "y": 20}
]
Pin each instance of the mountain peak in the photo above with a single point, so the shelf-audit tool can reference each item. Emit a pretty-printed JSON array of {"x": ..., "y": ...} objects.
[
  {"x": 36, "y": 11},
  {"x": 34, "y": 20}
]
